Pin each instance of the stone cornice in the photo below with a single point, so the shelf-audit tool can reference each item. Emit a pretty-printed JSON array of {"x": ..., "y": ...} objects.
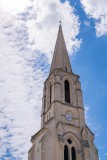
[{"x": 37, "y": 134}]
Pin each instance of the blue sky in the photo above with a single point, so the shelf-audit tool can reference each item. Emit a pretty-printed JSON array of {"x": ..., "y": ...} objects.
[
  {"x": 90, "y": 63},
  {"x": 28, "y": 32}
]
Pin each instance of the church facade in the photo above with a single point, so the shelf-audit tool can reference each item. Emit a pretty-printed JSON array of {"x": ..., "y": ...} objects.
[{"x": 63, "y": 134}]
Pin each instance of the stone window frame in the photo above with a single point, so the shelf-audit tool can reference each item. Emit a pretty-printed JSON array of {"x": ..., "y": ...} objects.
[{"x": 70, "y": 146}]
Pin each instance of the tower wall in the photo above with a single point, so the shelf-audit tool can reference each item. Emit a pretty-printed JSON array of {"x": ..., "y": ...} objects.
[{"x": 64, "y": 134}]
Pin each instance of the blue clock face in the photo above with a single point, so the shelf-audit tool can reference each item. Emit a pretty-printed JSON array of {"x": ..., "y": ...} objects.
[{"x": 68, "y": 117}]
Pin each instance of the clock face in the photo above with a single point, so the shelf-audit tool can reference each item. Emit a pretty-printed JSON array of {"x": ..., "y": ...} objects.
[{"x": 68, "y": 117}]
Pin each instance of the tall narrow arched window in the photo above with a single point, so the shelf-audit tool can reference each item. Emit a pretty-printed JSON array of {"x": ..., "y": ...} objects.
[
  {"x": 73, "y": 153},
  {"x": 66, "y": 153},
  {"x": 50, "y": 94},
  {"x": 67, "y": 91}
]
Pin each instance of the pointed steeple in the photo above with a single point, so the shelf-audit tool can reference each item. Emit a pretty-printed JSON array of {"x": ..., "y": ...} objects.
[{"x": 60, "y": 58}]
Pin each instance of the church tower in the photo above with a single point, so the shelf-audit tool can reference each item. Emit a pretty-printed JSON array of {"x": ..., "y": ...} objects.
[{"x": 63, "y": 134}]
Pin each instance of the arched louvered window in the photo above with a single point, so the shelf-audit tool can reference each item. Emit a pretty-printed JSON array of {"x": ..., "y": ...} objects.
[
  {"x": 66, "y": 68},
  {"x": 73, "y": 153},
  {"x": 50, "y": 94},
  {"x": 67, "y": 91},
  {"x": 66, "y": 156}
]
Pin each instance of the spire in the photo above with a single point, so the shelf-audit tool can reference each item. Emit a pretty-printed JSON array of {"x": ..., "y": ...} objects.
[{"x": 60, "y": 57}]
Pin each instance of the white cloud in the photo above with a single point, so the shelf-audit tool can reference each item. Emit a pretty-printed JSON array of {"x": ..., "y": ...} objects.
[
  {"x": 42, "y": 19},
  {"x": 44, "y": 29},
  {"x": 24, "y": 37},
  {"x": 91, "y": 121},
  {"x": 87, "y": 23},
  {"x": 13, "y": 6},
  {"x": 106, "y": 154},
  {"x": 87, "y": 109},
  {"x": 20, "y": 89},
  {"x": 98, "y": 11}
]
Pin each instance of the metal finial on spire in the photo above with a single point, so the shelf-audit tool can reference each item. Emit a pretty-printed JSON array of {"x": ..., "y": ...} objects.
[{"x": 60, "y": 23}]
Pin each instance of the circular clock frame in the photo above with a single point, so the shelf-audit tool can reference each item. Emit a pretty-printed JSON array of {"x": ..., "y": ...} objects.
[{"x": 68, "y": 117}]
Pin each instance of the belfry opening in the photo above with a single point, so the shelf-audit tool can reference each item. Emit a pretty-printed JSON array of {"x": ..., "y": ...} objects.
[{"x": 67, "y": 91}]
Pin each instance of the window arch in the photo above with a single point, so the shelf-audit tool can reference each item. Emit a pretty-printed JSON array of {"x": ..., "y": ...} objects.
[
  {"x": 66, "y": 156},
  {"x": 73, "y": 153},
  {"x": 69, "y": 150},
  {"x": 67, "y": 91},
  {"x": 50, "y": 94}
]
